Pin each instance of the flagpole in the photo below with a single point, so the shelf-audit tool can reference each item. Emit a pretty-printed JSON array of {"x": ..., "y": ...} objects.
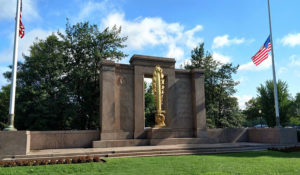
[
  {"x": 14, "y": 73},
  {"x": 274, "y": 74}
]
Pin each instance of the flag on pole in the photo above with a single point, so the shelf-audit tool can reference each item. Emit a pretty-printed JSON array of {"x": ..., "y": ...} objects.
[
  {"x": 22, "y": 28},
  {"x": 263, "y": 52}
]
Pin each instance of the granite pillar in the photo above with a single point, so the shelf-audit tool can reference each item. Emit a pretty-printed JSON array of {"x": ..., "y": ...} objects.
[{"x": 198, "y": 95}]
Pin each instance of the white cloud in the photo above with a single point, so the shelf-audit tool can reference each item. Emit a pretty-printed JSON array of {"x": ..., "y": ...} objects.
[
  {"x": 30, "y": 37},
  {"x": 242, "y": 79},
  {"x": 242, "y": 100},
  {"x": 183, "y": 63},
  {"x": 221, "y": 58},
  {"x": 154, "y": 31},
  {"x": 92, "y": 8},
  {"x": 291, "y": 40},
  {"x": 221, "y": 41},
  {"x": 282, "y": 70},
  {"x": 294, "y": 60},
  {"x": 148, "y": 31},
  {"x": 191, "y": 40},
  {"x": 175, "y": 52},
  {"x": 6, "y": 55},
  {"x": 251, "y": 66},
  {"x": 8, "y": 10}
]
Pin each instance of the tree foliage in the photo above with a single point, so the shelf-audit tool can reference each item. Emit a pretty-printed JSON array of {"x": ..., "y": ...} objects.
[
  {"x": 295, "y": 118},
  {"x": 221, "y": 107},
  {"x": 149, "y": 105},
  {"x": 4, "y": 103},
  {"x": 58, "y": 82},
  {"x": 253, "y": 117},
  {"x": 265, "y": 103}
]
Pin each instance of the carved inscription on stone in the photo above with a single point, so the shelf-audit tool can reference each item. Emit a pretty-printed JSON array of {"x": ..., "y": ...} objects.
[{"x": 183, "y": 97}]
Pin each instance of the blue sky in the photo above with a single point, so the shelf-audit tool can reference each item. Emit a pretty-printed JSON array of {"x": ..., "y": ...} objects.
[{"x": 232, "y": 30}]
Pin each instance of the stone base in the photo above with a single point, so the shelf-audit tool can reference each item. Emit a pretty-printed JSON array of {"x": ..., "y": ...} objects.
[
  {"x": 14, "y": 142},
  {"x": 159, "y": 133},
  {"x": 150, "y": 142}
]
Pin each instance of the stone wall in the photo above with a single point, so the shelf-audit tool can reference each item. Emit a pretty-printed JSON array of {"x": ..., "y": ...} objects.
[
  {"x": 228, "y": 135},
  {"x": 62, "y": 139},
  {"x": 273, "y": 135},
  {"x": 14, "y": 142}
]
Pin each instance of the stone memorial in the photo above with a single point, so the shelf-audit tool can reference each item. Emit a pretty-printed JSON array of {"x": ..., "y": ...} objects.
[
  {"x": 180, "y": 114},
  {"x": 122, "y": 100}
]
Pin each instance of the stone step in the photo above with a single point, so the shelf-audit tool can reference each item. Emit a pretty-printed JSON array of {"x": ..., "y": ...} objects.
[
  {"x": 185, "y": 152},
  {"x": 146, "y": 151},
  {"x": 145, "y": 142}
]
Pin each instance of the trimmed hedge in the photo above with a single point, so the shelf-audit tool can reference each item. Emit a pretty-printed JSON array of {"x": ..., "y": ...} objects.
[
  {"x": 286, "y": 149},
  {"x": 68, "y": 160}
]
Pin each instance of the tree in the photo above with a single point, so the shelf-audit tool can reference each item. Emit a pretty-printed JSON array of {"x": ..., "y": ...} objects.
[
  {"x": 4, "y": 103},
  {"x": 221, "y": 107},
  {"x": 295, "y": 118},
  {"x": 43, "y": 96},
  {"x": 58, "y": 83},
  {"x": 149, "y": 106},
  {"x": 86, "y": 46},
  {"x": 253, "y": 117},
  {"x": 266, "y": 101}
]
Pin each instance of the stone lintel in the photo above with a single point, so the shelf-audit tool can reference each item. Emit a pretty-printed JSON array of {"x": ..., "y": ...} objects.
[
  {"x": 143, "y": 60},
  {"x": 197, "y": 70},
  {"x": 106, "y": 63},
  {"x": 193, "y": 71}
]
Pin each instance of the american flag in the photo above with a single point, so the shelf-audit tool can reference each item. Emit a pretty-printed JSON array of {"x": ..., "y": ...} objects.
[
  {"x": 21, "y": 28},
  {"x": 263, "y": 53}
]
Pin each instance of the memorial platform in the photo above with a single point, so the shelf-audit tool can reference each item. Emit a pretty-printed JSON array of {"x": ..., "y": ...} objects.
[{"x": 137, "y": 151}]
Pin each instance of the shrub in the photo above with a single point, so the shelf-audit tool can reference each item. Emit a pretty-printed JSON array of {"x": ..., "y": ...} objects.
[
  {"x": 37, "y": 162},
  {"x": 10, "y": 163},
  {"x": 96, "y": 158},
  {"x": 82, "y": 159},
  {"x": 25, "y": 163},
  {"x": 6, "y": 164},
  {"x": 68, "y": 161},
  {"x": 1, "y": 163},
  {"x": 52, "y": 162},
  {"x": 89, "y": 159},
  {"x": 286, "y": 149},
  {"x": 75, "y": 160},
  {"x": 60, "y": 161},
  {"x": 30, "y": 162},
  {"x": 45, "y": 162},
  {"x": 298, "y": 135},
  {"x": 19, "y": 162}
]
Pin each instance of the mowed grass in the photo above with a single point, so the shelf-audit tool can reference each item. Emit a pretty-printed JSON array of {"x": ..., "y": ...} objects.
[{"x": 260, "y": 162}]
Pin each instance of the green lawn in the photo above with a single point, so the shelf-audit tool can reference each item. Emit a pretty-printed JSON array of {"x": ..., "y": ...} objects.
[{"x": 261, "y": 162}]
